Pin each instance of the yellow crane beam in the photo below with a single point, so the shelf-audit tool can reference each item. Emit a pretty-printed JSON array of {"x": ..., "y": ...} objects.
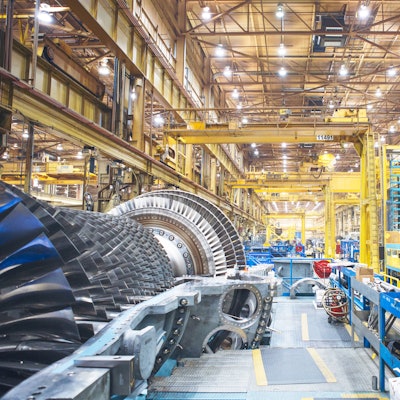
[
  {"x": 271, "y": 133},
  {"x": 338, "y": 182},
  {"x": 284, "y": 189}
]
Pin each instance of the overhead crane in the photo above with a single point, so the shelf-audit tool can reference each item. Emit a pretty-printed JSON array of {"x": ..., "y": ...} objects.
[
  {"x": 299, "y": 182},
  {"x": 288, "y": 132},
  {"x": 343, "y": 127}
]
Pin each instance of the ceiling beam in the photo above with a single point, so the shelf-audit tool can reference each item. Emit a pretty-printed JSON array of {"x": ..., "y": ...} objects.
[{"x": 354, "y": 34}]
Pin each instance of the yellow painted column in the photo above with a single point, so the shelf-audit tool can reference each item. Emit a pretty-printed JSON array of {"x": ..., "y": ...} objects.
[
  {"x": 303, "y": 229},
  {"x": 329, "y": 223},
  {"x": 138, "y": 115},
  {"x": 28, "y": 159},
  {"x": 189, "y": 162},
  {"x": 369, "y": 209},
  {"x": 213, "y": 175}
]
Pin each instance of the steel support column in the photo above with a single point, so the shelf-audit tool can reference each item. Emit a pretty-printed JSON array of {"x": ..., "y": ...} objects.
[
  {"x": 29, "y": 158},
  {"x": 330, "y": 239},
  {"x": 369, "y": 224}
]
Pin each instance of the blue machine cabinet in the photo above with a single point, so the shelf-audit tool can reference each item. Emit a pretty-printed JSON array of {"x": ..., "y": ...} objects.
[
  {"x": 389, "y": 310},
  {"x": 377, "y": 334}
]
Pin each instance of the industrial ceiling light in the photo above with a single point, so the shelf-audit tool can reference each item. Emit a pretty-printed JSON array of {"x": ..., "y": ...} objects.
[
  {"x": 282, "y": 72},
  {"x": 220, "y": 51},
  {"x": 59, "y": 147},
  {"x": 391, "y": 71},
  {"x": 158, "y": 120},
  {"x": 239, "y": 106},
  {"x": 378, "y": 92},
  {"x": 44, "y": 13},
  {"x": 245, "y": 120},
  {"x": 343, "y": 70},
  {"x": 279, "y": 11},
  {"x": 253, "y": 145},
  {"x": 103, "y": 68},
  {"x": 25, "y": 134},
  {"x": 284, "y": 145},
  {"x": 282, "y": 50},
  {"x": 256, "y": 152},
  {"x": 331, "y": 104},
  {"x": 370, "y": 106},
  {"x": 235, "y": 94},
  {"x": 227, "y": 72},
  {"x": 205, "y": 14},
  {"x": 133, "y": 95},
  {"x": 363, "y": 11}
]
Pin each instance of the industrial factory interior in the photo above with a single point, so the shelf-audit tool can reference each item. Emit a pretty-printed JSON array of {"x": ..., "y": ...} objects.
[{"x": 199, "y": 199}]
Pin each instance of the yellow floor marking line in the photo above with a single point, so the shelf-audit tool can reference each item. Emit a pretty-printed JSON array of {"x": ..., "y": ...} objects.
[
  {"x": 259, "y": 370},
  {"x": 362, "y": 396},
  {"x": 304, "y": 327},
  {"x": 354, "y": 396},
  {"x": 321, "y": 365},
  {"x": 348, "y": 329}
]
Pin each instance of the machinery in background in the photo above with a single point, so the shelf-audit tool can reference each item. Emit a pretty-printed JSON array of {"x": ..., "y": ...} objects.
[
  {"x": 314, "y": 248},
  {"x": 92, "y": 306},
  {"x": 335, "y": 303},
  {"x": 348, "y": 249}
]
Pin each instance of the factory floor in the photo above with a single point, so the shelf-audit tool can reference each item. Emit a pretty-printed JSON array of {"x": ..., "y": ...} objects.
[{"x": 307, "y": 358}]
